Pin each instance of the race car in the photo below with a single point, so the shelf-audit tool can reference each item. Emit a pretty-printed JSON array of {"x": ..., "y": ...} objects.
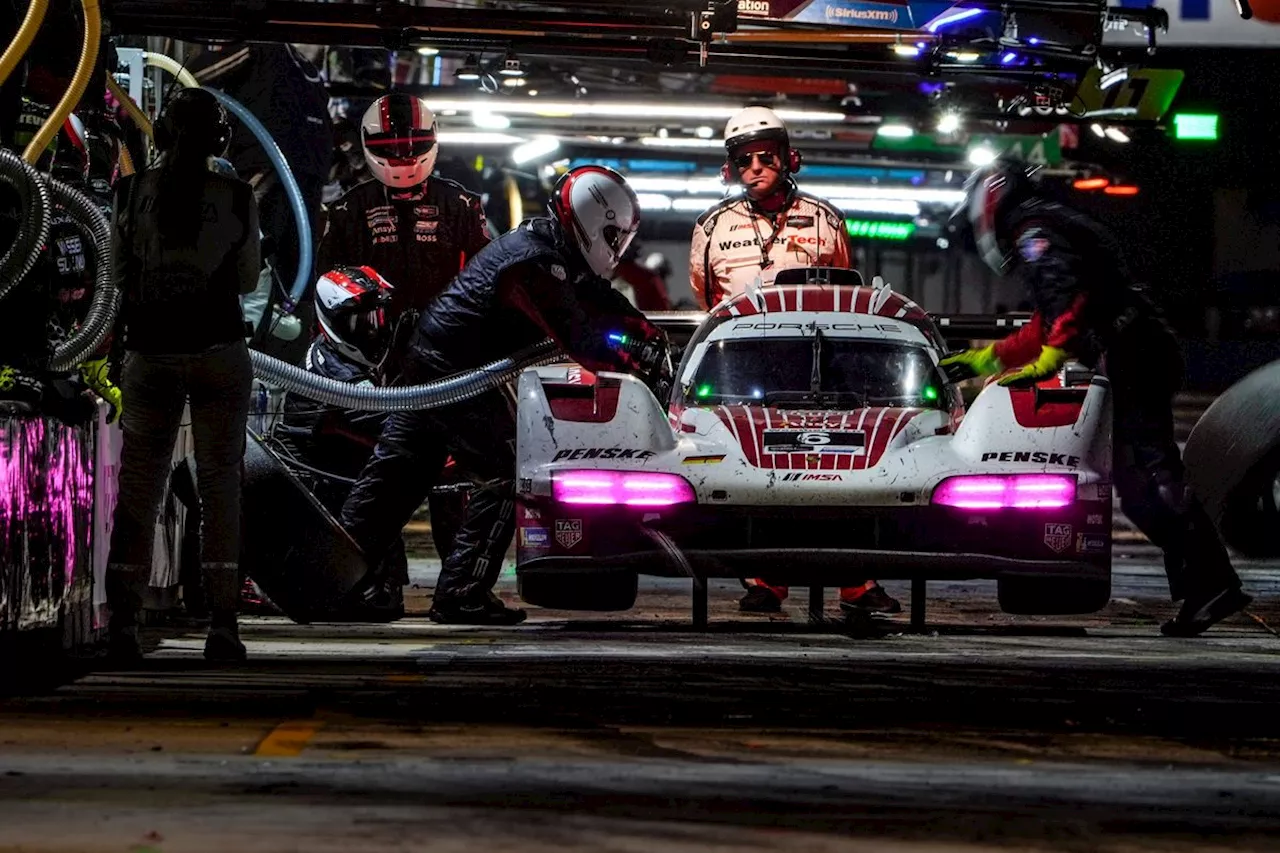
[{"x": 812, "y": 439}]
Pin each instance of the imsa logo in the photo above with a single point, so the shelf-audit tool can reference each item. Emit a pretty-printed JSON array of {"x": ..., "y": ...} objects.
[{"x": 820, "y": 478}]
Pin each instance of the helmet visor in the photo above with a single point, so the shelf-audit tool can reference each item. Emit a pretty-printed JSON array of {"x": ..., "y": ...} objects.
[{"x": 404, "y": 146}]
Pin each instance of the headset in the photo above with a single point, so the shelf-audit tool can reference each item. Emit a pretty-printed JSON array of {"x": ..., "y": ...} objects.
[{"x": 216, "y": 136}]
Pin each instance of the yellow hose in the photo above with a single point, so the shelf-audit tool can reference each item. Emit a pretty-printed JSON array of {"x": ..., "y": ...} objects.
[
  {"x": 135, "y": 112},
  {"x": 168, "y": 63},
  {"x": 126, "y": 161},
  {"x": 22, "y": 41},
  {"x": 88, "y": 56}
]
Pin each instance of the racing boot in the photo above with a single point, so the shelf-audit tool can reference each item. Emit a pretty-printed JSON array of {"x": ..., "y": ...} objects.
[
  {"x": 1199, "y": 613},
  {"x": 222, "y": 592},
  {"x": 377, "y": 598},
  {"x": 870, "y": 598},
  {"x": 125, "y": 587},
  {"x": 760, "y": 598},
  {"x": 477, "y": 609}
]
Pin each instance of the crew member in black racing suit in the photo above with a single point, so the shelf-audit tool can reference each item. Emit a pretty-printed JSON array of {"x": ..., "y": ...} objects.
[
  {"x": 548, "y": 277},
  {"x": 334, "y": 444},
  {"x": 416, "y": 229},
  {"x": 1088, "y": 308}
]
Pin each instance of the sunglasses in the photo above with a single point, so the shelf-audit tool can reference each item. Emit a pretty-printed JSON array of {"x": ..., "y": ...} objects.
[{"x": 767, "y": 158}]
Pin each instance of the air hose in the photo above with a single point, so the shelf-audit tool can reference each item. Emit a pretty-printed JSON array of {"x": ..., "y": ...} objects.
[
  {"x": 22, "y": 41},
  {"x": 106, "y": 298},
  {"x": 33, "y": 230},
  {"x": 79, "y": 82},
  {"x": 303, "y": 276},
  {"x": 431, "y": 395}
]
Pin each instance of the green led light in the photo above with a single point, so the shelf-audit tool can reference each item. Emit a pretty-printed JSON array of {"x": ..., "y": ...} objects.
[
  {"x": 704, "y": 391},
  {"x": 877, "y": 230},
  {"x": 1195, "y": 126},
  {"x": 624, "y": 339},
  {"x": 930, "y": 393}
]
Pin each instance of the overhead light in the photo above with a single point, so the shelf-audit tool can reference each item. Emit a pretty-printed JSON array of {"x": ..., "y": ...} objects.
[
  {"x": 679, "y": 142},
  {"x": 467, "y": 137},
  {"x": 1121, "y": 190},
  {"x": 427, "y": 50},
  {"x": 689, "y": 204},
  {"x": 1008, "y": 58},
  {"x": 909, "y": 51},
  {"x": 949, "y": 122},
  {"x": 603, "y": 109},
  {"x": 879, "y": 230},
  {"x": 469, "y": 70},
  {"x": 533, "y": 93},
  {"x": 663, "y": 133},
  {"x": 513, "y": 81},
  {"x": 1098, "y": 131},
  {"x": 883, "y": 208},
  {"x": 1090, "y": 183},
  {"x": 965, "y": 56},
  {"x": 1115, "y": 134},
  {"x": 1195, "y": 126},
  {"x": 511, "y": 66},
  {"x": 895, "y": 131},
  {"x": 981, "y": 155},
  {"x": 704, "y": 132},
  {"x": 849, "y": 193},
  {"x": 653, "y": 201},
  {"x": 952, "y": 17},
  {"x": 539, "y": 146},
  {"x": 486, "y": 120}
]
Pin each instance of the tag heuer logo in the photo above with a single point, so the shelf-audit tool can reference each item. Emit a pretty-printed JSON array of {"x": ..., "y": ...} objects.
[
  {"x": 1057, "y": 537},
  {"x": 569, "y": 531}
]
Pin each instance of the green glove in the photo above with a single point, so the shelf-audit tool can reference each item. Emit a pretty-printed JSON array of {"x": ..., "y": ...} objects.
[
  {"x": 1050, "y": 360},
  {"x": 94, "y": 373},
  {"x": 970, "y": 363}
]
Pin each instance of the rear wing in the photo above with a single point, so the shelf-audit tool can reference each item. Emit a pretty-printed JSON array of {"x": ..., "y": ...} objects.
[{"x": 957, "y": 329}]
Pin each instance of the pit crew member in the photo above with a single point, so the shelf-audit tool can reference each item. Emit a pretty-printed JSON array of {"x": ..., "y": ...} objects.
[
  {"x": 770, "y": 227},
  {"x": 1089, "y": 308},
  {"x": 416, "y": 229},
  {"x": 548, "y": 277}
]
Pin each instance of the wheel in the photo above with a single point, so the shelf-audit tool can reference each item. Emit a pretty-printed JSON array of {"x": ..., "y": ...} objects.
[
  {"x": 1232, "y": 460},
  {"x": 598, "y": 591},
  {"x": 1052, "y": 596}
]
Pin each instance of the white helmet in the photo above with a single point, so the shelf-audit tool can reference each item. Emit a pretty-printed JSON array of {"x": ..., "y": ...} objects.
[
  {"x": 398, "y": 133},
  {"x": 351, "y": 307},
  {"x": 753, "y": 124},
  {"x": 599, "y": 213}
]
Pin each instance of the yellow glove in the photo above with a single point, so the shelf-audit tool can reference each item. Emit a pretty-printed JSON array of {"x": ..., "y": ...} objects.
[
  {"x": 1050, "y": 360},
  {"x": 970, "y": 363},
  {"x": 94, "y": 373}
]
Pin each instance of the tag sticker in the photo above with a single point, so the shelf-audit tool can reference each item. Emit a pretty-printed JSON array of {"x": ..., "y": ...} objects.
[
  {"x": 1057, "y": 537},
  {"x": 568, "y": 531}
]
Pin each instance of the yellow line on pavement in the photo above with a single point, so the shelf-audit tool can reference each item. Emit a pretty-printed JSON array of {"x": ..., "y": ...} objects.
[{"x": 287, "y": 740}]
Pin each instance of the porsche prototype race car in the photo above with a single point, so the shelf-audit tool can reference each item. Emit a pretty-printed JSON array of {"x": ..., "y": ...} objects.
[{"x": 811, "y": 438}]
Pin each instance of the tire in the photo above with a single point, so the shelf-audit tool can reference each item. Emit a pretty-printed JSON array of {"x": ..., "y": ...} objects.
[
  {"x": 596, "y": 591},
  {"x": 1052, "y": 596},
  {"x": 1232, "y": 459}
]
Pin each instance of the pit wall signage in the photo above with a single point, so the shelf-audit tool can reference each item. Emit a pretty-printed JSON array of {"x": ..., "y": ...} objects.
[
  {"x": 1205, "y": 23},
  {"x": 844, "y": 13}
]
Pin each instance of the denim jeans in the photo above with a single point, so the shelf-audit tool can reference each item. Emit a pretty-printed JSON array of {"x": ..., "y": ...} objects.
[{"x": 217, "y": 383}]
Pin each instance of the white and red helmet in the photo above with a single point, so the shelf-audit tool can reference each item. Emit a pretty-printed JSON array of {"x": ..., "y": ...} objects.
[
  {"x": 351, "y": 306},
  {"x": 398, "y": 134},
  {"x": 991, "y": 191},
  {"x": 599, "y": 213}
]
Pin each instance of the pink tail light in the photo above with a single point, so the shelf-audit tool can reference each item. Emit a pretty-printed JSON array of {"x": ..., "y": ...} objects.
[
  {"x": 625, "y": 488},
  {"x": 1012, "y": 491}
]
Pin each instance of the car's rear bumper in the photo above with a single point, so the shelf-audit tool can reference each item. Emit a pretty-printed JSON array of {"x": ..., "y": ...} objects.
[{"x": 818, "y": 566}]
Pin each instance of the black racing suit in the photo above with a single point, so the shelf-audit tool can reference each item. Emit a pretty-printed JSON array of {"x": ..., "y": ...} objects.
[
  {"x": 338, "y": 442},
  {"x": 1087, "y": 304},
  {"x": 520, "y": 289},
  {"x": 417, "y": 238}
]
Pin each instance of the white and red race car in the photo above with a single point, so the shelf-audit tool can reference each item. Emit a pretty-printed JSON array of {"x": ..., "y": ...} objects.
[{"x": 811, "y": 439}]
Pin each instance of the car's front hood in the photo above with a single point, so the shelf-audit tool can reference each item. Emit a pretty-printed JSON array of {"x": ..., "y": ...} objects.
[{"x": 791, "y": 440}]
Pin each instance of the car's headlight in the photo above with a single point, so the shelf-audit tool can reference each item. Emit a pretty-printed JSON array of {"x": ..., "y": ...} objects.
[
  {"x": 1008, "y": 491},
  {"x": 621, "y": 488}
]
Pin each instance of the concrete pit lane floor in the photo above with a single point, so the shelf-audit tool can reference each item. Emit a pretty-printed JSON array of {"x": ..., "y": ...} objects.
[{"x": 630, "y": 732}]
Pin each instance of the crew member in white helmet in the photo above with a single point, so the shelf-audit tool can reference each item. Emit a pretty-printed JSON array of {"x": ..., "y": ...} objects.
[{"x": 771, "y": 225}]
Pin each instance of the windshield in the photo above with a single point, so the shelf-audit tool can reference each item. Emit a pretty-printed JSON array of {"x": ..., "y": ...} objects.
[{"x": 820, "y": 371}]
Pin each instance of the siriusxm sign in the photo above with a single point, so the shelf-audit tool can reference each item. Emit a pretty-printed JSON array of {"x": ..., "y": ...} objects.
[
  {"x": 912, "y": 15},
  {"x": 1200, "y": 23}
]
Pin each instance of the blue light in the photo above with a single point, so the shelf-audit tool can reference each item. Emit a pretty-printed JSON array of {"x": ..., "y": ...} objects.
[
  {"x": 953, "y": 17},
  {"x": 757, "y": 393},
  {"x": 1008, "y": 57},
  {"x": 1033, "y": 40},
  {"x": 617, "y": 338}
]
